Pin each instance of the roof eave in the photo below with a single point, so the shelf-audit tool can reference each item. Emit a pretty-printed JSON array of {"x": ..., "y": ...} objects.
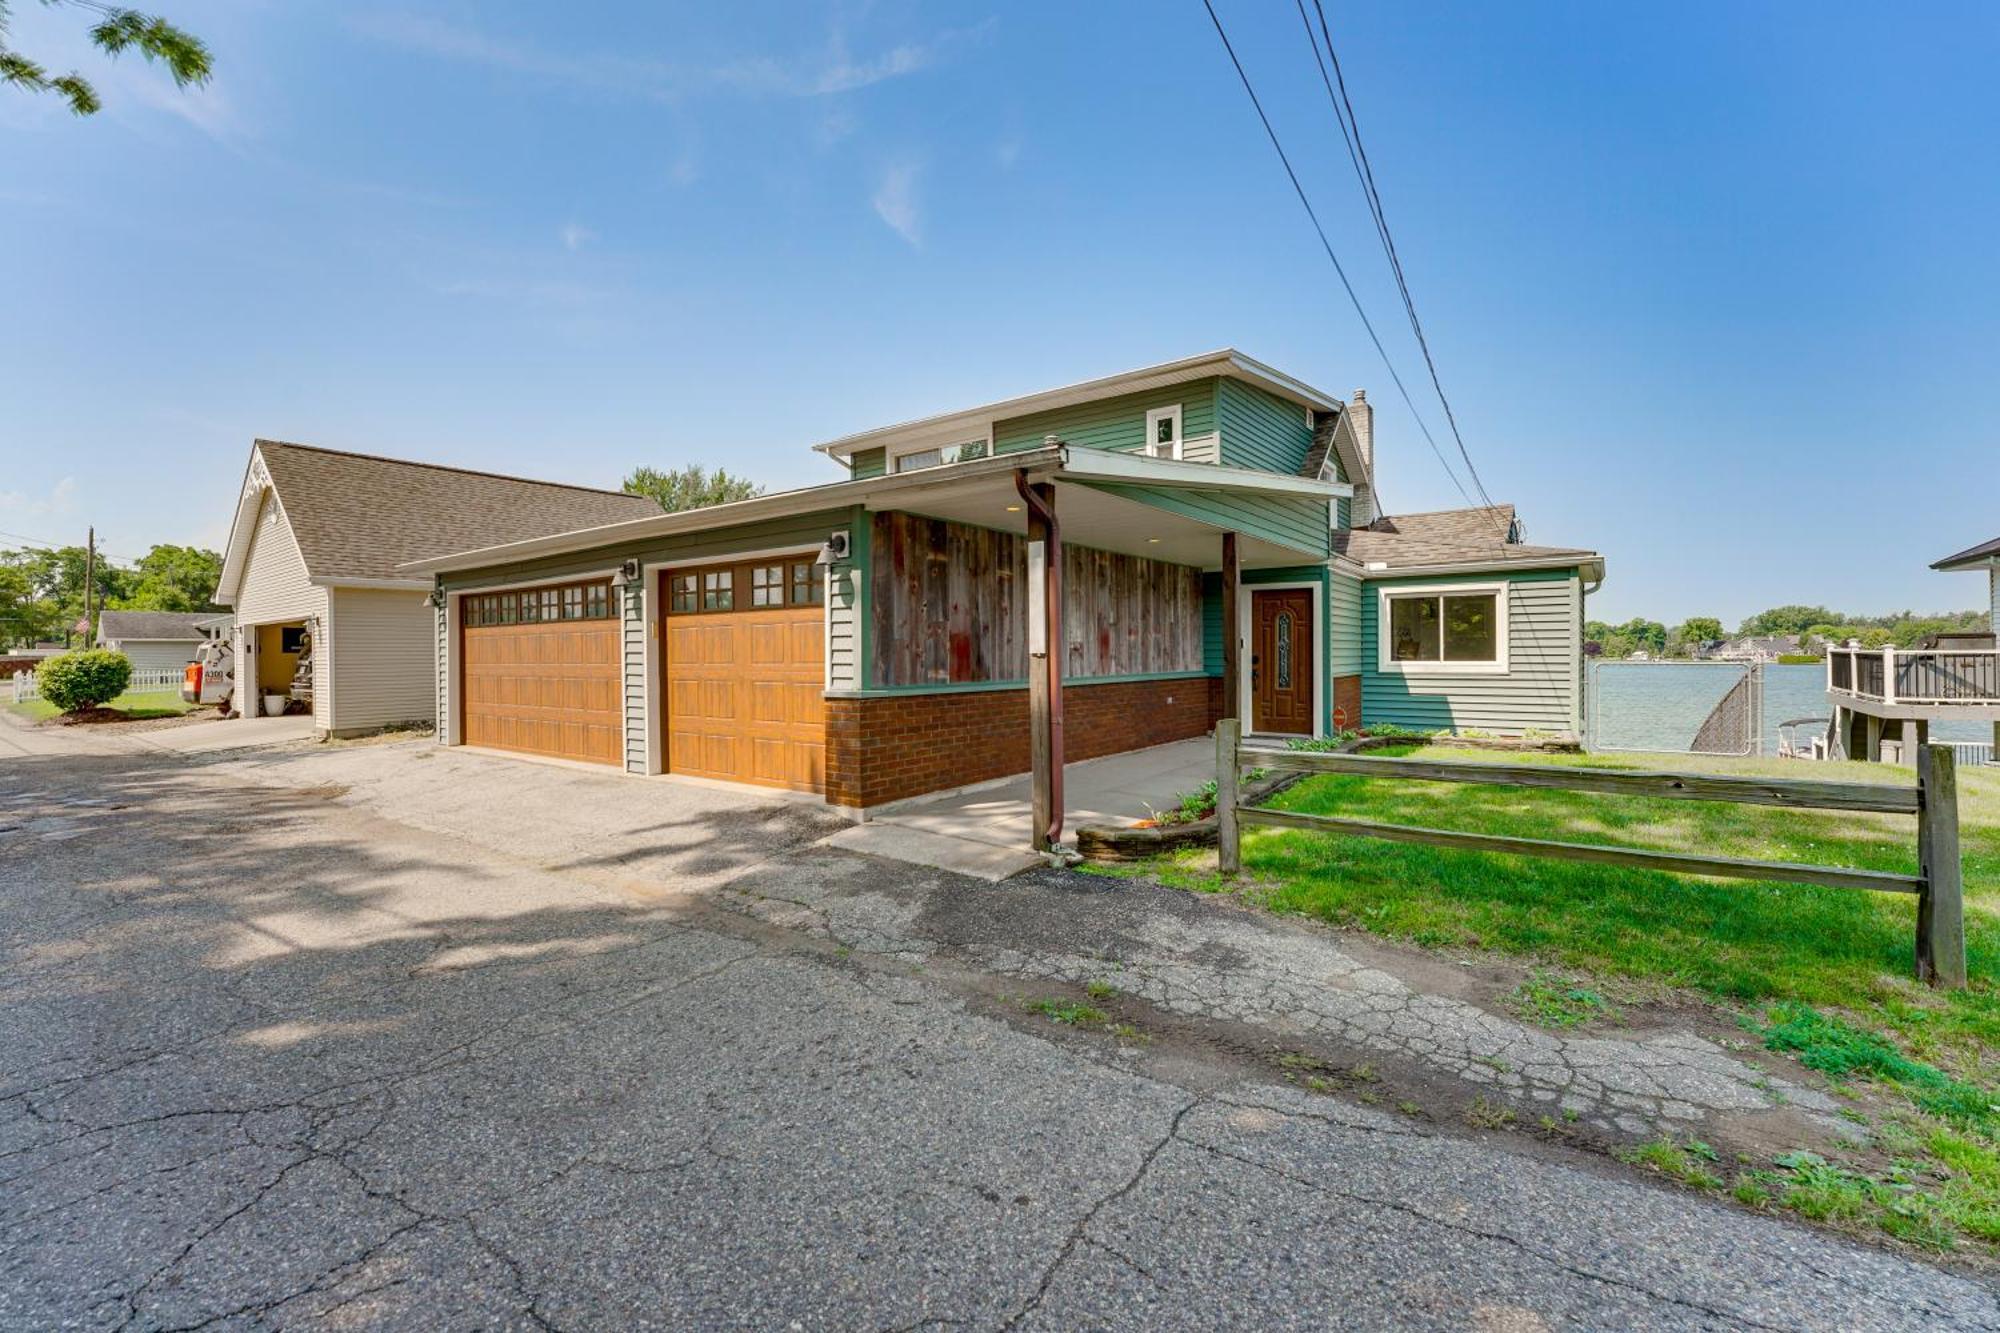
[{"x": 1588, "y": 564}]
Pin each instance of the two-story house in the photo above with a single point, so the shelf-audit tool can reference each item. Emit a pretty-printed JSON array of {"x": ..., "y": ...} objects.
[{"x": 1194, "y": 540}]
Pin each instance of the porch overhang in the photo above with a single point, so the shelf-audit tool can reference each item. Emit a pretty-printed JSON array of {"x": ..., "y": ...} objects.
[{"x": 981, "y": 491}]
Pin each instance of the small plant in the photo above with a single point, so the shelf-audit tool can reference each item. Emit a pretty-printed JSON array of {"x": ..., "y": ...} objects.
[
  {"x": 1681, "y": 1161},
  {"x": 87, "y": 679},
  {"x": 1097, "y": 988},
  {"x": 1409, "y": 1108},
  {"x": 1556, "y": 1003},
  {"x": 1483, "y": 1114},
  {"x": 1321, "y": 744},
  {"x": 1843, "y": 1051},
  {"x": 1069, "y": 1013}
]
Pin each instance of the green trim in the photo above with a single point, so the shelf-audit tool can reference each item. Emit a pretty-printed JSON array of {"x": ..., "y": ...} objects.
[{"x": 982, "y": 686}]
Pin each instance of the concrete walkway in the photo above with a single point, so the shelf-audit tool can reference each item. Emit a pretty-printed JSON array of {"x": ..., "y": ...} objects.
[
  {"x": 984, "y": 831},
  {"x": 233, "y": 734}
]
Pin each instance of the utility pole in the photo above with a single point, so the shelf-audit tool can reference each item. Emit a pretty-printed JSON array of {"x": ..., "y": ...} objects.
[{"x": 89, "y": 584}]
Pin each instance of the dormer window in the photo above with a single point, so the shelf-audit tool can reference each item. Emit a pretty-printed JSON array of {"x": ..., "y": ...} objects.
[{"x": 1163, "y": 432}]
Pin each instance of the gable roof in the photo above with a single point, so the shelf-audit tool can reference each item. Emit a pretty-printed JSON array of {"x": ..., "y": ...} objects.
[
  {"x": 1971, "y": 557},
  {"x": 135, "y": 626},
  {"x": 356, "y": 517},
  {"x": 1453, "y": 537},
  {"x": 1226, "y": 361}
]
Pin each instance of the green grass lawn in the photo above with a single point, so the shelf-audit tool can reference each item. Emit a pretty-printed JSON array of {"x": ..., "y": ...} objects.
[
  {"x": 1820, "y": 973},
  {"x": 134, "y": 705}
]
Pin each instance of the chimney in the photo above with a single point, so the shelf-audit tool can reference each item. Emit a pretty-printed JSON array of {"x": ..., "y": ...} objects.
[{"x": 1361, "y": 425}]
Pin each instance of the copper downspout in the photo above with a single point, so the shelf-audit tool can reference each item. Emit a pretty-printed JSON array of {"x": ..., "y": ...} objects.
[{"x": 1053, "y": 640}]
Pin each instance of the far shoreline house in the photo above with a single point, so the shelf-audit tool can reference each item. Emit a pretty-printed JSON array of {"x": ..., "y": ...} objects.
[
  {"x": 1198, "y": 539},
  {"x": 1885, "y": 699}
]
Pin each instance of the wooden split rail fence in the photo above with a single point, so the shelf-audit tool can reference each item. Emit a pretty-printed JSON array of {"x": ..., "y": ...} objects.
[{"x": 1933, "y": 800}]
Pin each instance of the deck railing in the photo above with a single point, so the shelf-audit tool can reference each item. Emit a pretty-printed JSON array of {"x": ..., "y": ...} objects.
[
  {"x": 1930, "y": 676},
  {"x": 1937, "y": 885}
]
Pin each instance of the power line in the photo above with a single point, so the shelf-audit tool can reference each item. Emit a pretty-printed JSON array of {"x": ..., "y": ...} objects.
[
  {"x": 1327, "y": 245},
  {"x": 1364, "y": 170}
]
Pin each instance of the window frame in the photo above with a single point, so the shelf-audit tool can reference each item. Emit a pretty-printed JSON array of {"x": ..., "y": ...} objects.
[
  {"x": 503, "y": 608},
  {"x": 1386, "y": 661},
  {"x": 1154, "y": 416},
  {"x": 892, "y": 459},
  {"x": 740, "y": 575}
]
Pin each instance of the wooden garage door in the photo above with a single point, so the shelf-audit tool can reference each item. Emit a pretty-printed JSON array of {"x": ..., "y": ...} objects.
[
  {"x": 746, "y": 673},
  {"x": 540, "y": 671}
]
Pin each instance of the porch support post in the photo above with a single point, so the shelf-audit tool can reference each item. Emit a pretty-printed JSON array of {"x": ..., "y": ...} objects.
[
  {"x": 1045, "y": 656},
  {"x": 1232, "y": 642},
  {"x": 246, "y": 674}
]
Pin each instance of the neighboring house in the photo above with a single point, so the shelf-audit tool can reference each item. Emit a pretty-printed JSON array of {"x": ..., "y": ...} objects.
[
  {"x": 1765, "y": 648},
  {"x": 873, "y": 639},
  {"x": 312, "y": 565},
  {"x": 156, "y": 640}
]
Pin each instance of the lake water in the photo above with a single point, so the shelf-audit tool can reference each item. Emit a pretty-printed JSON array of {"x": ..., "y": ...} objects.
[{"x": 1660, "y": 705}]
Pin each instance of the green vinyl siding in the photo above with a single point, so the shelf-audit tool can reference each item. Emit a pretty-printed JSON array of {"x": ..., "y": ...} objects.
[
  {"x": 1111, "y": 423},
  {"x": 868, "y": 463},
  {"x": 1297, "y": 522},
  {"x": 1260, "y": 430},
  {"x": 1343, "y": 614},
  {"x": 1541, "y": 687}
]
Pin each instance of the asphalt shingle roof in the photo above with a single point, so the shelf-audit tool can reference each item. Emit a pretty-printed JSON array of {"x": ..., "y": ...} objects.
[
  {"x": 1971, "y": 554},
  {"x": 1447, "y": 537},
  {"x": 177, "y": 625},
  {"x": 357, "y": 516}
]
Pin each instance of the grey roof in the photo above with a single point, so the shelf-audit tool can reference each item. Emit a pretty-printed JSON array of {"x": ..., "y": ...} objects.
[
  {"x": 1971, "y": 555},
  {"x": 1446, "y": 537},
  {"x": 179, "y": 626},
  {"x": 358, "y": 516}
]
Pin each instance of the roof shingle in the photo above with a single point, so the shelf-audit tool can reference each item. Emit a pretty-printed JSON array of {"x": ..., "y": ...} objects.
[
  {"x": 1446, "y": 537},
  {"x": 357, "y": 516},
  {"x": 181, "y": 626}
]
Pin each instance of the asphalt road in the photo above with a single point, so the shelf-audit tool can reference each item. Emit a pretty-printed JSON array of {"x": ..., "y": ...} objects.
[{"x": 313, "y": 1048}]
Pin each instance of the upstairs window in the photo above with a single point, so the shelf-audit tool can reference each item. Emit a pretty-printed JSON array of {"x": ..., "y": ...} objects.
[
  {"x": 938, "y": 457},
  {"x": 1163, "y": 432}
]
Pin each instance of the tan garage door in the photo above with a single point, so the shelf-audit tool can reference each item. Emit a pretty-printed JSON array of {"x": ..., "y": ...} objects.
[
  {"x": 745, "y": 673},
  {"x": 540, "y": 672}
]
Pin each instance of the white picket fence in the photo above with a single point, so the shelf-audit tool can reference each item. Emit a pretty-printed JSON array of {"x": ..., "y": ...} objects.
[{"x": 154, "y": 681}]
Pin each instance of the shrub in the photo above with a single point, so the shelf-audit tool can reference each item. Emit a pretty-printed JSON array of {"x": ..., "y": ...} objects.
[{"x": 76, "y": 681}]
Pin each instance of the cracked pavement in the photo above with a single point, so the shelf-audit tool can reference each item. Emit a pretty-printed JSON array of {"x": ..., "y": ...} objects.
[{"x": 390, "y": 1037}]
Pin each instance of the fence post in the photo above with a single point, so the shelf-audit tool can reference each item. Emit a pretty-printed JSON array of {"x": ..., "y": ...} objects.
[
  {"x": 1940, "y": 905},
  {"x": 1229, "y": 855}
]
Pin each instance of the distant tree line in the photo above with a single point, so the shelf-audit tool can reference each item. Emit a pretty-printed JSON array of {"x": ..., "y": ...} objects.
[
  {"x": 42, "y": 589},
  {"x": 1816, "y": 627}
]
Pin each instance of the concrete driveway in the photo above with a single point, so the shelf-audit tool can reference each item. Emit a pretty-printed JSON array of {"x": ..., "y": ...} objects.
[{"x": 392, "y": 1037}]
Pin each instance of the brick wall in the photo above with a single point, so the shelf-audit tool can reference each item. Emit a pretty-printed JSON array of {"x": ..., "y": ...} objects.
[
  {"x": 1347, "y": 701},
  {"x": 888, "y": 747}
]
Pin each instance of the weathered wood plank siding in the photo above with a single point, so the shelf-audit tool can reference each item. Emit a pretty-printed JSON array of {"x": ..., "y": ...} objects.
[
  {"x": 1112, "y": 423},
  {"x": 1260, "y": 430},
  {"x": 1540, "y": 688},
  {"x": 946, "y": 605}
]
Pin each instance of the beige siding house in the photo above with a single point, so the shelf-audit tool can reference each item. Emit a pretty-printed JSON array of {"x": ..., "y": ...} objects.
[{"x": 311, "y": 569}]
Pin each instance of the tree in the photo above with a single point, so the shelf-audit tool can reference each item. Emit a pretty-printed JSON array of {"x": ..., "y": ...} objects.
[
  {"x": 1701, "y": 629},
  {"x": 55, "y": 580},
  {"x": 175, "y": 578},
  {"x": 690, "y": 487},
  {"x": 23, "y": 617},
  {"x": 1789, "y": 620},
  {"x": 116, "y": 32}
]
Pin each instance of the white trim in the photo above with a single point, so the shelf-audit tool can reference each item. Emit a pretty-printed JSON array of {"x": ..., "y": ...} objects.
[
  {"x": 1591, "y": 564},
  {"x": 737, "y": 557},
  {"x": 388, "y": 585},
  {"x": 1245, "y": 618},
  {"x": 1154, "y": 416},
  {"x": 1386, "y": 664},
  {"x": 452, "y": 725},
  {"x": 1124, "y": 465}
]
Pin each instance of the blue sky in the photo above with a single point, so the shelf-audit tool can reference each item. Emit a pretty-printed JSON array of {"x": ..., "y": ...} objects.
[{"x": 1713, "y": 287}]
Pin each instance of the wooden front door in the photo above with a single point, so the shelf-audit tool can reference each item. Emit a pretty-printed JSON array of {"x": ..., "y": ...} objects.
[
  {"x": 1281, "y": 662},
  {"x": 746, "y": 673},
  {"x": 541, "y": 672}
]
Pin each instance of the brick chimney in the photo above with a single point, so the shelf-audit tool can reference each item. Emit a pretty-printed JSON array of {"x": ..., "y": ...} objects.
[{"x": 1361, "y": 425}]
